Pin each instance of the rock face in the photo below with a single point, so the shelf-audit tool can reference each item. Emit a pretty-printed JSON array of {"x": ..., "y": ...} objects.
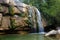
[
  {"x": 22, "y": 17},
  {"x": 5, "y": 22},
  {"x": 11, "y": 17},
  {"x": 5, "y": 1},
  {"x": 18, "y": 21}
]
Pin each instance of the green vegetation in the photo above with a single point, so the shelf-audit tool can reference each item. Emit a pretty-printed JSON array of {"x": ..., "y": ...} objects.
[{"x": 11, "y": 11}]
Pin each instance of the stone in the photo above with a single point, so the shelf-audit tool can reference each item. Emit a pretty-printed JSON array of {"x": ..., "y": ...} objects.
[
  {"x": 1, "y": 28},
  {"x": 23, "y": 9},
  {"x": 16, "y": 10},
  {"x": 4, "y": 1},
  {"x": 4, "y": 9},
  {"x": 58, "y": 36},
  {"x": 5, "y": 22},
  {"x": 1, "y": 18},
  {"x": 18, "y": 21},
  {"x": 11, "y": 2},
  {"x": 1, "y": 1},
  {"x": 52, "y": 32}
]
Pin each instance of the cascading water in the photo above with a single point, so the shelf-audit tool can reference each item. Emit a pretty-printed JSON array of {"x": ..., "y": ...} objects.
[{"x": 39, "y": 21}]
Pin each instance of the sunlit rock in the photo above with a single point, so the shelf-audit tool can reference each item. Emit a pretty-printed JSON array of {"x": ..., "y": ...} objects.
[
  {"x": 18, "y": 21},
  {"x": 11, "y": 2},
  {"x": 52, "y": 32},
  {"x": 20, "y": 3},
  {"x": 22, "y": 9},
  {"x": 31, "y": 16},
  {"x": 16, "y": 10},
  {"x": 4, "y": 9},
  {"x": 4, "y": 1},
  {"x": 5, "y": 22},
  {"x": 0, "y": 18},
  {"x": 58, "y": 31},
  {"x": 1, "y": 28}
]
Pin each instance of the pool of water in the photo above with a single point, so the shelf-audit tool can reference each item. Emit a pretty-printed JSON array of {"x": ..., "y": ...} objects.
[{"x": 25, "y": 37}]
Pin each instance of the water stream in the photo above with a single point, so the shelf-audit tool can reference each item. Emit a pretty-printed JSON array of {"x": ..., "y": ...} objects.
[{"x": 39, "y": 21}]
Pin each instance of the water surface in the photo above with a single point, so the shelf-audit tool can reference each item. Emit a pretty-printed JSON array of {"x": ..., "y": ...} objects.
[{"x": 25, "y": 37}]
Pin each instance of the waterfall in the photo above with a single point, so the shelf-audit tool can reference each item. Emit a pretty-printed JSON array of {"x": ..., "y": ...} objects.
[{"x": 39, "y": 20}]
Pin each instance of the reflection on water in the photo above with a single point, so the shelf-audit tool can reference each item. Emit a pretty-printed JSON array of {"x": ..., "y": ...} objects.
[{"x": 25, "y": 37}]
